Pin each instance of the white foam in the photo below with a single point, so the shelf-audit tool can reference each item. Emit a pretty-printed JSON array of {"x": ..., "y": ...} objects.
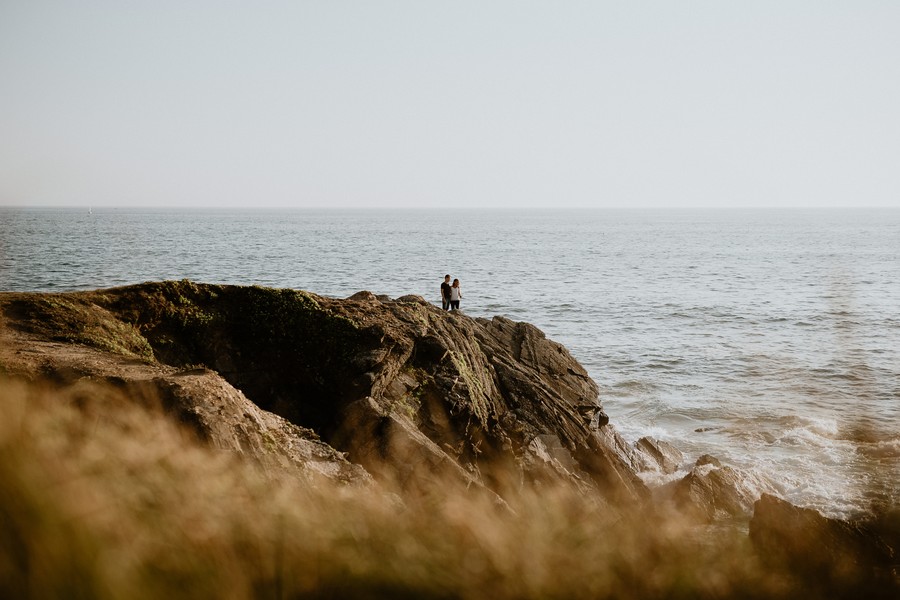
[
  {"x": 824, "y": 427},
  {"x": 883, "y": 449}
]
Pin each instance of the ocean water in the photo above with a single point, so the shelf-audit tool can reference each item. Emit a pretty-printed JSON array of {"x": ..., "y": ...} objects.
[{"x": 768, "y": 338}]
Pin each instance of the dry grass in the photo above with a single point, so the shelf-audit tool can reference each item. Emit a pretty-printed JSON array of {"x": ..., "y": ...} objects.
[{"x": 101, "y": 498}]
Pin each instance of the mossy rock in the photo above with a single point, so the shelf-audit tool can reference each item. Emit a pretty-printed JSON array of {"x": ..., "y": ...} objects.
[{"x": 76, "y": 319}]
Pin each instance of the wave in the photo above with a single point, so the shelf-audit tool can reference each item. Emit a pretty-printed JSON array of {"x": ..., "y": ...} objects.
[
  {"x": 804, "y": 324},
  {"x": 635, "y": 385},
  {"x": 888, "y": 449},
  {"x": 656, "y": 362}
]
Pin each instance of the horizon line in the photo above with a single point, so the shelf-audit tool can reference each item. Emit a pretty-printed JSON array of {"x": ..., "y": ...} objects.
[{"x": 431, "y": 208}]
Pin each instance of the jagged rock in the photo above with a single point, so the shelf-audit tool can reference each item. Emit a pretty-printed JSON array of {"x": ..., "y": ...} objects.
[
  {"x": 405, "y": 388},
  {"x": 659, "y": 455},
  {"x": 412, "y": 298},
  {"x": 707, "y": 459},
  {"x": 593, "y": 415},
  {"x": 862, "y": 558},
  {"x": 549, "y": 445},
  {"x": 390, "y": 446},
  {"x": 709, "y": 493},
  {"x": 364, "y": 296}
]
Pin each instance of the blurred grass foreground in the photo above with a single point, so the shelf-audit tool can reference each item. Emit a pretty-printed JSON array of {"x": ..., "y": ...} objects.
[{"x": 105, "y": 497}]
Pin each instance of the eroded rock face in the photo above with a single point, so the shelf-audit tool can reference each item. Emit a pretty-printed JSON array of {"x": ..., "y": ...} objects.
[
  {"x": 392, "y": 448},
  {"x": 658, "y": 455},
  {"x": 200, "y": 399},
  {"x": 862, "y": 558},
  {"x": 711, "y": 492},
  {"x": 400, "y": 386},
  {"x": 229, "y": 421}
]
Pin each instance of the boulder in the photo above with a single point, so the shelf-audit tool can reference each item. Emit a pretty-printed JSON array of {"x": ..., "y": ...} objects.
[
  {"x": 709, "y": 493},
  {"x": 859, "y": 559},
  {"x": 707, "y": 459},
  {"x": 658, "y": 456},
  {"x": 364, "y": 296}
]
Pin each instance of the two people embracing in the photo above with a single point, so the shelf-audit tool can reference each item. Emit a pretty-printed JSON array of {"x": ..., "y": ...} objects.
[{"x": 450, "y": 294}]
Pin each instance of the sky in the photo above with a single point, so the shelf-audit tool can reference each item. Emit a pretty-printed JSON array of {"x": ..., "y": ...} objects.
[{"x": 489, "y": 104}]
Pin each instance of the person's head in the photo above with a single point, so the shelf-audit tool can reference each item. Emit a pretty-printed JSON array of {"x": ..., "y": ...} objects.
[
  {"x": 446, "y": 278},
  {"x": 456, "y": 283}
]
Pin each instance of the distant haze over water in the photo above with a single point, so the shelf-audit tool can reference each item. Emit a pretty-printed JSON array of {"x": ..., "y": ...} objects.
[{"x": 768, "y": 338}]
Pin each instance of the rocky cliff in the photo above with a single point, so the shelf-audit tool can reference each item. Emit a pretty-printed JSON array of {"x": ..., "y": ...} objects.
[
  {"x": 371, "y": 389},
  {"x": 367, "y": 386}
]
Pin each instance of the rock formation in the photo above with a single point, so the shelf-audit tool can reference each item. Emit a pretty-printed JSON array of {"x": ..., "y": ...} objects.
[
  {"x": 657, "y": 455},
  {"x": 859, "y": 557},
  {"x": 343, "y": 388},
  {"x": 710, "y": 492}
]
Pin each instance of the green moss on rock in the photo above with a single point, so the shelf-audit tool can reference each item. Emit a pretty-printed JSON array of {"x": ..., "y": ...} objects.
[
  {"x": 77, "y": 319},
  {"x": 478, "y": 398}
]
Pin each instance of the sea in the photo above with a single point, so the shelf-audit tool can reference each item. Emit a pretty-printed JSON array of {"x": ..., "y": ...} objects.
[{"x": 768, "y": 338}]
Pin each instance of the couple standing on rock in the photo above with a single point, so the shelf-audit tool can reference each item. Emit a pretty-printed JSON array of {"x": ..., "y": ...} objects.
[{"x": 450, "y": 294}]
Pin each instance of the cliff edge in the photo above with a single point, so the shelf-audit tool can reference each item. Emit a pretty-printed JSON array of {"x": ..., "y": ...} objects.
[{"x": 349, "y": 389}]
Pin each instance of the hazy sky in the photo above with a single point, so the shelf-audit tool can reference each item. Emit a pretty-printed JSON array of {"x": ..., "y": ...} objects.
[{"x": 440, "y": 104}]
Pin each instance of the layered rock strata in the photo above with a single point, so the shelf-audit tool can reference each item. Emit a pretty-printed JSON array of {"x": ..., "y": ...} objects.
[{"x": 342, "y": 388}]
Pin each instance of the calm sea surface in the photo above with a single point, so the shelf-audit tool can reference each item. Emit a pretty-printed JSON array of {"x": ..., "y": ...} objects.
[{"x": 768, "y": 338}]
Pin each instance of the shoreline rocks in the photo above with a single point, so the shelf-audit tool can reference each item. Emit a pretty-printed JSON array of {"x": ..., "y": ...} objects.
[
  {"x": 492, "y": 402},
  {"x": 832, "y": 554},
  {"x": 369, "y": 391}
]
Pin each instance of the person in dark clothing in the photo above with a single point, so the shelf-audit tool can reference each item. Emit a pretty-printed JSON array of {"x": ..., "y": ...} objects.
[{"x": 445, "y": 293}]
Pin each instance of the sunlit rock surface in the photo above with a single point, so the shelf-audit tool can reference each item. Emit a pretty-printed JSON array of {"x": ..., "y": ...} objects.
[{"x": 344, "y": 388}]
